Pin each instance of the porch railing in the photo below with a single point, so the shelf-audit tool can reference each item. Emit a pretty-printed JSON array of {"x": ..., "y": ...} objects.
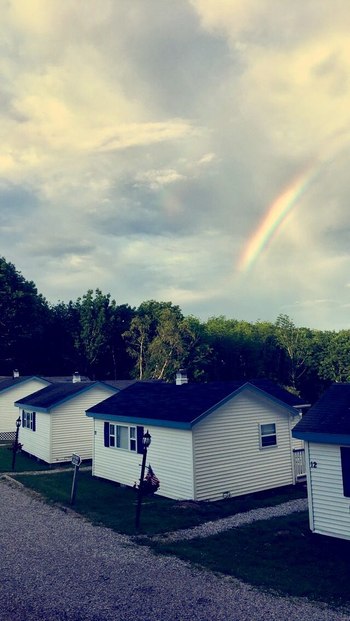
[
  {"x": 299, "y": 464},
  {"x": 7, "y": 436}
]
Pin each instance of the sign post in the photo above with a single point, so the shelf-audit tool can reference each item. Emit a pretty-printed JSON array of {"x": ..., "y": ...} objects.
[{"x": 76, "y": 461}]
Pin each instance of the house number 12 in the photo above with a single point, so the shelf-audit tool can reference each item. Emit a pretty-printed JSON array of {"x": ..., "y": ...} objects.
[{"x": 313, "y": 464}]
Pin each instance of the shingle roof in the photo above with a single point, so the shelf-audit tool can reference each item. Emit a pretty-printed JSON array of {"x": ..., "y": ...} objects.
[
  {"x": 9, "y": 382},
  {"x": 54, "y": 394},
  {"x": 329, "y": 415},
  {"x": 120, "y": 384},
  {"x": 183, "y": 404}
]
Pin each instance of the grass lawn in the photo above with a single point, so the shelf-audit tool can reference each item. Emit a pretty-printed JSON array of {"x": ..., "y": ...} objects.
[
  {"x": 107, "y": 503},
  {"x": 23, "y": 462},
  {"x": 280, "y": 554}
]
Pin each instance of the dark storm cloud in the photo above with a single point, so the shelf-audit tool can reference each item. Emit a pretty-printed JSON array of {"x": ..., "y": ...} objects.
[{"x": 16, "y": 203}]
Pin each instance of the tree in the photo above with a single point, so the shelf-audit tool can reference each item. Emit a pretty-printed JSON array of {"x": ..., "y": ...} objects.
[
  {"x": 93, "y": 339},
  {"x": 295, "y": 342},
  {"x": 334, "y": 363},
  {"x": 23, "y": 317},
  {"x": 137, "y": 339}
]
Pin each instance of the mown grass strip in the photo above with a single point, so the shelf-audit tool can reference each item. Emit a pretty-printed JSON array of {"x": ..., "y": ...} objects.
[
  {"x": 23, "y": 462},
  {"x": 114, "y": 506},
  {"x": 280, "y": 554}
]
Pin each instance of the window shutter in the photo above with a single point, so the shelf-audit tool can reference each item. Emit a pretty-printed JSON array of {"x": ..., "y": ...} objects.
[
  {"x": 22, "y": 418},
  {"x": 106, "y": 434},
  {"x": 345, "y": 467},
  {"x": 34, "y": 421},
  {"x": 139, "y": 431}
]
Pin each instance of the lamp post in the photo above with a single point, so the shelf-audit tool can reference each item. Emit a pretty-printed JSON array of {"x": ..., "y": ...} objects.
[
  {"x": 15, "y": 445},
  {"x": 146, "y": 441}
]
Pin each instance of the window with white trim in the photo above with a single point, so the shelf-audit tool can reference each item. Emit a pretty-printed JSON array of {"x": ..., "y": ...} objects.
[
  {"x": 345, "y": 467},
  {"x": 28, "y": 420},
  {"x": 122, "y": 436},
  {"x": 268, "y": 435}
]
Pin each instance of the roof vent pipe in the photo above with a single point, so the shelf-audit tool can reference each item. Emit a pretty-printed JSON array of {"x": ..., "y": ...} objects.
[
  {"x": 181, "y": 377},
  {"x": 15, "y": 373},
  {"x": 76, "y": 377}
]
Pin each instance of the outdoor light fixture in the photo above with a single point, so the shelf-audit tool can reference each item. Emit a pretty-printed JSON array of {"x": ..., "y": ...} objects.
[
  {"x": 15, "y": 444},
  {"x": 146, "y": 441}
]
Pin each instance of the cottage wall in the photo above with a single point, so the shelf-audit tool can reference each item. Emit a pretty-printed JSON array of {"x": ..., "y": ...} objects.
[
  {"x": 71, "y": 429},
  {"x": 8, "y": 412},
  {"x": 37, "y": 442},
  {"x": 328, "y": 507},
  {"x": 170, "y": 455},
  {"x": 228, "y": 460}
]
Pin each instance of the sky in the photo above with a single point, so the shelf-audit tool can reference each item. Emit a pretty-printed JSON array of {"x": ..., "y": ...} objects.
[{"x": 192, "y": 151}]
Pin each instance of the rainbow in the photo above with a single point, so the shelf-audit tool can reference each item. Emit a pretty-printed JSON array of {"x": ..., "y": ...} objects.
[
  {"x": 275, "y": 216},
  {"x": 284, "y": 203}
]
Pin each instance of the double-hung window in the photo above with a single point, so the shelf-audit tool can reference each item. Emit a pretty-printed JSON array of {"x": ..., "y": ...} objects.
[
  {"x": 120, "y": 436},
  {"x": 345, "y": 467},
  {"x": 268, "y": 435},
  {"x": 28, "y": 420}
]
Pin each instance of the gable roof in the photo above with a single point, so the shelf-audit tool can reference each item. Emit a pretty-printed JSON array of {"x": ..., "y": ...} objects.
[
  {"x": 10, "y": 382},
  {"x": 328, "y": 421},
  {"x": 175, "y": 406},
  {"x": 55, "y": 394}
]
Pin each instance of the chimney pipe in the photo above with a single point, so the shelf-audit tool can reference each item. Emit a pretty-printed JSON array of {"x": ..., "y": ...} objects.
[{"x": 181, "y": 377}]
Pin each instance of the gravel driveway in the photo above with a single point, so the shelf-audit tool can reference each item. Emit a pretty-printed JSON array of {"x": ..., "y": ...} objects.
[{"x": 55, "y": 566}]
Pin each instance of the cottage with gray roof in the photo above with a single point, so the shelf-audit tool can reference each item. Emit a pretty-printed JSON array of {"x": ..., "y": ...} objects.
[
  {"x": 53, "y": 421},
  {"x": 12, "y": 389},
  {"x": 325, "y": 430},
  {"x": 209, "y": 441}
]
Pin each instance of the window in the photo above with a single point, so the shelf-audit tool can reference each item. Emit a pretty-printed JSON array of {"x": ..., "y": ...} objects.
[
  {"x": 28, "y": 420},
  {"x": 268, "y": 435},
  {"x": 345, "y": 468},
  {"x": 120, "y": 436}
]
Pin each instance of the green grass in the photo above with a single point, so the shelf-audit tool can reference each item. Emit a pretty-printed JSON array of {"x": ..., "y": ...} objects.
[
  {"x": 23, "y": 462},
  {"x": 280, "y": 554},
  {"x": 107, "y": 503}
]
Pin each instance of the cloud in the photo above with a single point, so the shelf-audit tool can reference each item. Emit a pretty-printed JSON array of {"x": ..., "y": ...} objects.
[{"x": 143, "y": 144}]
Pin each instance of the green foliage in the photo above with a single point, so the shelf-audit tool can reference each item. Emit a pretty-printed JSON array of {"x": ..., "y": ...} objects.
[
  {"x": 23, "y": 318},
  {"x": 97, "y": 337}
]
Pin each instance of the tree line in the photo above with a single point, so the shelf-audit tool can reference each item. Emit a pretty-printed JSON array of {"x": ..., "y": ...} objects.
[{"x": 103, "y": 340}]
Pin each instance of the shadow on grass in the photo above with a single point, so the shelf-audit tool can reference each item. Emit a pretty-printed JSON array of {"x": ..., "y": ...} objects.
[
  {"x": 23, "y": 462},
  {"x": 280, "y": 554},
  {"x": 107, "y": 503}
]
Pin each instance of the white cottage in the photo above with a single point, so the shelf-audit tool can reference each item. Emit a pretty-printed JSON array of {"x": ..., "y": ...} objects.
[
  {"x": 12, "y": 389},
  {"x": 209, "y": 441},
  {"x": 53, "y": 421},
  {"x": 325, "y": 430}
]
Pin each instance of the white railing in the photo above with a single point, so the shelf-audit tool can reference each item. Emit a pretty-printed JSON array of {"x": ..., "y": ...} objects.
[{"x": 299, "y": 464}]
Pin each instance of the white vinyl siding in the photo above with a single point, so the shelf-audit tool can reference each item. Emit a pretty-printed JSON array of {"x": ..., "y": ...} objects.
[
  {"x": 8, "y": 411},
  {"x": 227, "y": 455},
  {"x": 296, "y": 442},
  {"x": 170, "y": 455},
  {"x": 72, "y": 430},
  {"x": 329, "y": 508},
  {"x": 37, "y": 443}
]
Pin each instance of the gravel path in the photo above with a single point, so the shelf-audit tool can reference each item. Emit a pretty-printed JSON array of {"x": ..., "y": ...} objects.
[
  {"x": 55, "y": 566},
  {"x": 233, "y": 521}
]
